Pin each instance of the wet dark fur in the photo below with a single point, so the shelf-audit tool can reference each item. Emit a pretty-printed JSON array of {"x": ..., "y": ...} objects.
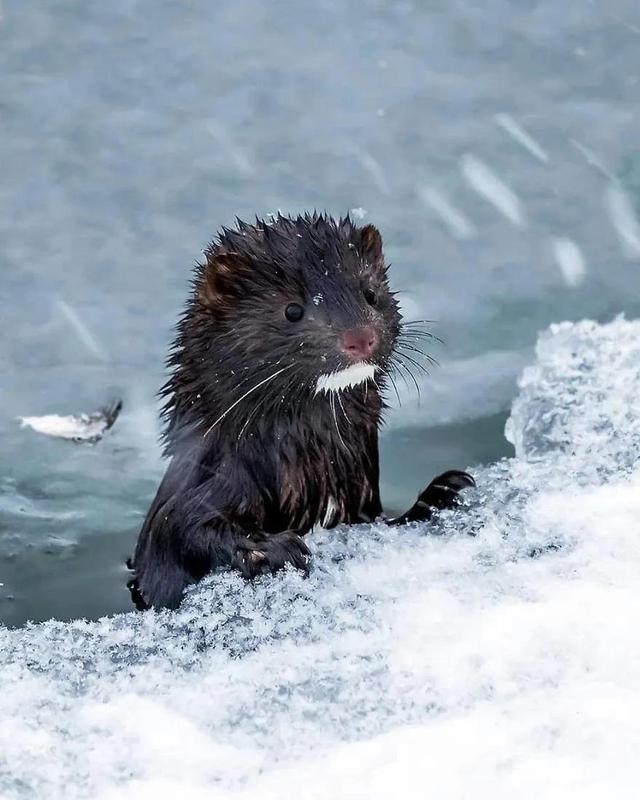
[{"x": 250, "y": 475}]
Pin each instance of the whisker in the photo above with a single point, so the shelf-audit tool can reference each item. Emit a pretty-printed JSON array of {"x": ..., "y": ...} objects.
[
  {"x": 417, "y": 336},
  {"x": 400, "y": 374},
  {"x": 260, "y": 404},
  {"x": 248, "y": 420},
  {"x": 413, "y": 377},
  {"x": 404, "y": 348},
  {"x": 342, "y": 407},
  {"x": 415, "y": 328},
  {"x": 246, "y": 394},
  {"x": 415, "y": 363},
  {"x": 332, "y": 403},
  {"x": 395, "y": 388},
  {"x": 415, "y": 331},
  {"x": 429, "y": 358}
]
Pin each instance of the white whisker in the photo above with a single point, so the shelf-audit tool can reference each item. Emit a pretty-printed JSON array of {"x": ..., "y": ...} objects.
[
  {"x": 332, "y": 399},
  {"x": 330, "y": 510},
  {"x": 246, "y": 394},
  {"x": 248, "y": 420},
  {"x": 346, "y": 416}
]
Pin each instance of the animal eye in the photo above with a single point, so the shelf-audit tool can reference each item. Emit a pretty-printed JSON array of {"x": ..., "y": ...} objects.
[
  {"x": 294, "y": 312},
  {"x": 370, "y": 296}
]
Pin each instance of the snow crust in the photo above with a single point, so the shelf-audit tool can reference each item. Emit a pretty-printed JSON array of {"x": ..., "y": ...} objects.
[{"x": 499, "y": 658}]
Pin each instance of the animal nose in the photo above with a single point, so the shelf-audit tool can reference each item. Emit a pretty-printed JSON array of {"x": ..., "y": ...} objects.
[{"x": 359, "y": 343}]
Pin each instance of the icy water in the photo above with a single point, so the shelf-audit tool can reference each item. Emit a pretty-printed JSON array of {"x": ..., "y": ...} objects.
[{"x": 494, "y": 144}]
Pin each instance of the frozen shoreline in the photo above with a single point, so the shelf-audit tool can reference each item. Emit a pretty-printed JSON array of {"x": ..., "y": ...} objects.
[{"x": 453, "y": 665}]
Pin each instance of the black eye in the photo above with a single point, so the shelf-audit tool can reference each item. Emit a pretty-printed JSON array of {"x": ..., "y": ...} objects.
[
  {"x": 294, "y": 312},
  {"x": 370, "y": 296}
]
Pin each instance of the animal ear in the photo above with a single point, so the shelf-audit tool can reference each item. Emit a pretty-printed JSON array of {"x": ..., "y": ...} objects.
[
  {"x": 371, "y": 244},
  {"x": 221, "y": 278}
]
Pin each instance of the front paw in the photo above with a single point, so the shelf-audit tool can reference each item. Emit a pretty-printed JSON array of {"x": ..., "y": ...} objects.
[
  {"x": 443, "y": 491},
  {"x": 271, "y": 553}
]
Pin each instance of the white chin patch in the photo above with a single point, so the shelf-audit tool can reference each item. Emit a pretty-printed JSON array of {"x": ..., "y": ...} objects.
[{"x": 345, "y": 378}]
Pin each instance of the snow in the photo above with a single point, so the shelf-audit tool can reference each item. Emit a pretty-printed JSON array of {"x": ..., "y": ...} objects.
[
  {"x": 373, "y": 167},
  {"x": 487, "y": 184},
  {"x": 497, "y": 659},
  {"x": 570, "y": 260},
  {"x": 77, "y": 428},
  {"x": 82, "y": 331},
  {"x": 624, "y": 219},
  {"x": 65, "y": 427},
  {"x": 458, "y": 224},
  {"x": 518, "y": 134}
]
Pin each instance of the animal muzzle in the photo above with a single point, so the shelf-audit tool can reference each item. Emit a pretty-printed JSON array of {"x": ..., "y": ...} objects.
[{"x": 359, "y": 344}]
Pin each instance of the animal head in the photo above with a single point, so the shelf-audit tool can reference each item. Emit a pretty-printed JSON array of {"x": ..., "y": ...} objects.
[{"x": 288, "y": 311}]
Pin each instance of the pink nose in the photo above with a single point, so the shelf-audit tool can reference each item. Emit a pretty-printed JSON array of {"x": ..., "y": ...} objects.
[{"x": 359, "y": 343}]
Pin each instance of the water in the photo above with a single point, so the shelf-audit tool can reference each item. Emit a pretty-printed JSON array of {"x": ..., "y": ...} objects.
[{"x": 476, "y": 138}]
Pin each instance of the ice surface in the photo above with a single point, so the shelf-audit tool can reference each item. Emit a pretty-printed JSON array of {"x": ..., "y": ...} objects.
[{"x": 498, "y": 659}]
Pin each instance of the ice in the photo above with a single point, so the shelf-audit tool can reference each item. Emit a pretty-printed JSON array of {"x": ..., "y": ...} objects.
[
  {"x": 14, "y": 503},
  {"x": 80, "y": 428},
  {"x": 77, "y": 428},
  {"x": 581, "y": 399},
  {"x": 500, "y": 656}
]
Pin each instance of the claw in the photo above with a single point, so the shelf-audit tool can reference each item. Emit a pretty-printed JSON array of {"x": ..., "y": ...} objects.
[
  {"x": 453, "y": 479},
  {"x": 443, "y": 492},
  {"x": 272, "y": 553}
]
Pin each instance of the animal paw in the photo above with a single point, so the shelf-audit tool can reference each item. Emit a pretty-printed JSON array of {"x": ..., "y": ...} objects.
[
  {"x": 272, "y": 553},
  {"x": 443, "y": 492}
]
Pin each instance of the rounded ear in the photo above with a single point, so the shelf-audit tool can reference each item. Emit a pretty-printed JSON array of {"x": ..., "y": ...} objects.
[
  {"x": 371, "y": 244},
  {"x": 221, "y": 278}
]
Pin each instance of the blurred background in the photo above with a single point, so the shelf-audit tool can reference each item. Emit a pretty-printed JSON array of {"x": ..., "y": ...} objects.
[{"x": 494, "y": 144}]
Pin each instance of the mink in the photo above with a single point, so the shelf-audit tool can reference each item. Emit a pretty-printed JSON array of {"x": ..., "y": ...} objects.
[{"x": 283, "y": 355}]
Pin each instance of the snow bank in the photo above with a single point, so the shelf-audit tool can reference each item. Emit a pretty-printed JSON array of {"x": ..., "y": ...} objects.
[{"x": 498, "y": 659}]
